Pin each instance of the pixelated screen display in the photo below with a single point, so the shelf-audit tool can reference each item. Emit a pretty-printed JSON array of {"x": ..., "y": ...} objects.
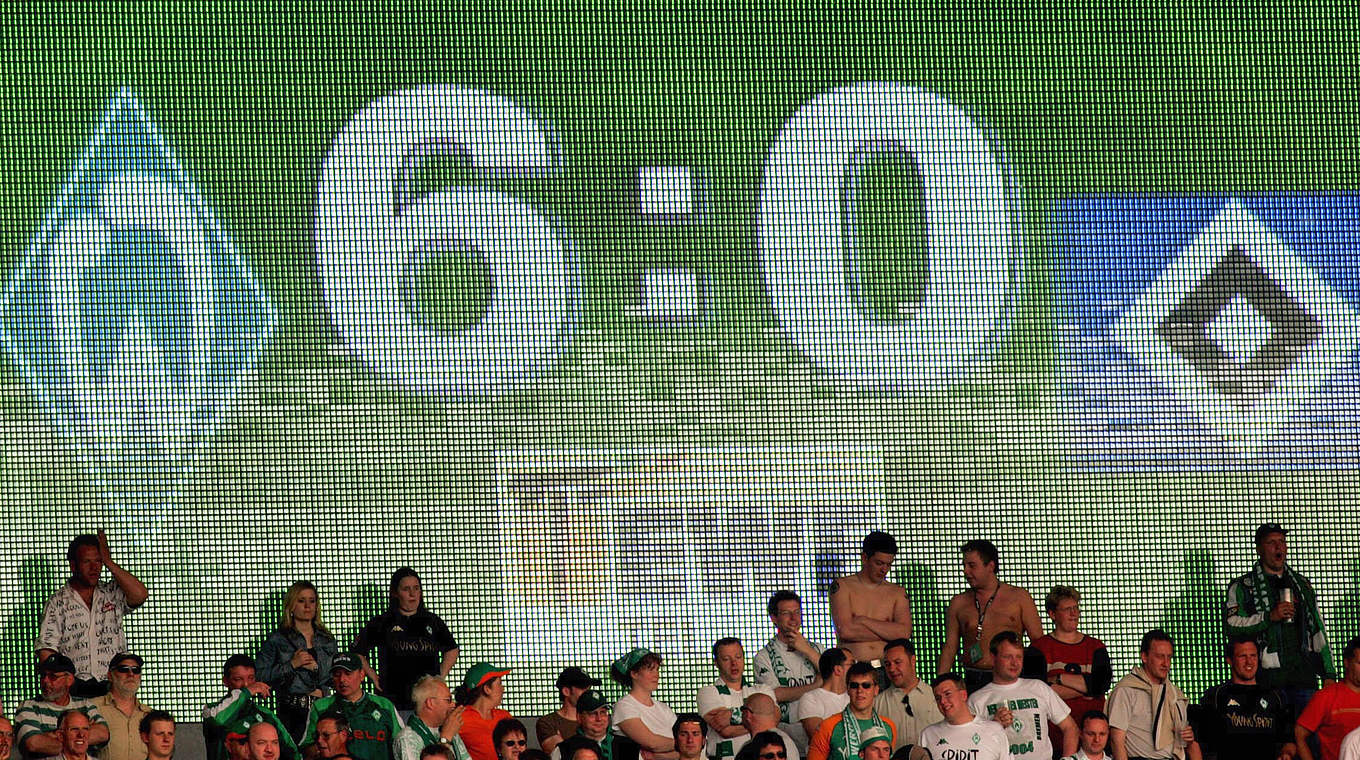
[{"x": 610, "y": 325}]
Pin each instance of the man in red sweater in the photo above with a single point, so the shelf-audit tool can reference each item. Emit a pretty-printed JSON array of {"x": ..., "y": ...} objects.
[{"x": 1334, "y": 711}]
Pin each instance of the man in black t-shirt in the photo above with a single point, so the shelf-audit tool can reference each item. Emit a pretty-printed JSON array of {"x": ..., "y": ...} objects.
[{"x": 1241, "y": 719}]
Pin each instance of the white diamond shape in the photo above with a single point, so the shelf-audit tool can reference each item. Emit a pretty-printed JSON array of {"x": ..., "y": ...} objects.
[
  {"x": 1240, "y": 329},
  {"x": 1246, "y": 426}
]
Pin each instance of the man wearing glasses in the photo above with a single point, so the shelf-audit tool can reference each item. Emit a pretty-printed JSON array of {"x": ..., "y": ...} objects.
[
  {"x": 838, "y": 738},
  {"x": 436, "y": 720},
  {"x": 372, "y": 718},
  {"x": 121, "y": 708},
  {"x": 36, "y": 719}
]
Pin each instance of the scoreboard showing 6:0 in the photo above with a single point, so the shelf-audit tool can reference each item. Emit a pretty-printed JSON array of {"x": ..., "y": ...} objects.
[{"x": 611, "y": 323}]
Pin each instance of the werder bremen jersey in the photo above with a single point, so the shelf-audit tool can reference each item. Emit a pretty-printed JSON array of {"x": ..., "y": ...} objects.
[
  {"x": 235, "y": 714},
  {"x": 776, "y": 665},
  {"x": 373, "y": 719},
  {"x": 1033, "y": 706},
  {"x": 980, "y": 739},
  {"x": 720, "y": 696}
]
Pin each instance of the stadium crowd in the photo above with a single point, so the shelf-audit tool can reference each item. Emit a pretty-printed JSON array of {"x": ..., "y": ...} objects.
[{"x": 1003, "y": 689}]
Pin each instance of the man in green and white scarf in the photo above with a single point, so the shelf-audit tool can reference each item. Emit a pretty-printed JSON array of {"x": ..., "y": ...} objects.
[
  {"x": 838, "y": 738},
  {"x": 788, "y": 663},
  {"x": 720, "y": 703},
  {"x": 1290, "y": 634}
]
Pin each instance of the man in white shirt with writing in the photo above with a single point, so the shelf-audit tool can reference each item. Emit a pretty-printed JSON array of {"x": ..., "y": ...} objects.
[
  {"x": 1023, "y": 706},
  {"x": 961, "y": 735}
]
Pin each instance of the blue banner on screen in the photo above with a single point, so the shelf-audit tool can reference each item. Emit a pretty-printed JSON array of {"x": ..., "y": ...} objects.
[{"x": 1210, "y": 331}]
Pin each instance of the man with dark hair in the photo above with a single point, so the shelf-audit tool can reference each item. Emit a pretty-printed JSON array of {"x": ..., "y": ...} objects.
[
  {"x": 720, "y": 702},
  {"x": 372, "y": 718},
  {"x": 961, "y": 734},
  {"x": 691, "y": 734},
  {"x": 240, "y": 709},
  {"x": 977, "y": 615},
  {"x": 1024, "y": 707},
  {"x": 908, "y": 702},
  {"x": 157, "y": 731},
  {"x": 333, "y": 736},
  {"x": 866, "y": 609},
  {"x": 1277, "y": 606},
  {"x": 1335, "y": 711},
  {"x": 84, "y": 619},
  {"x": 578, "y": 747},
  {"x": 839, "y": 735},
  {"x": 1241, "y": 719},
  {"x": 788, "y": 663},
  {"x": 36, "y": 721},
  {"x": 560, "y": 724},
  {"x": 1095, "y": 733},
  {"x": 1149, "y": 715},
  {"x": 123, "y": 711},
  {"x": 830, "y": 698}
]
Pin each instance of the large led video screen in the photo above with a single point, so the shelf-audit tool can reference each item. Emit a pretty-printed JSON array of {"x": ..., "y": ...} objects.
[{"x": 613, "y": 322}]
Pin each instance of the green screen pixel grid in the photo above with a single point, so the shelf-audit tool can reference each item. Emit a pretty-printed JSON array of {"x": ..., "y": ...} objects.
[{"x": 333, "y": 474}]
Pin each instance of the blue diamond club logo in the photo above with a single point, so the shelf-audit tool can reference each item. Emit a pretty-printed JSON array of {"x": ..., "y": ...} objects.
[{"x": 133, "y": 315}]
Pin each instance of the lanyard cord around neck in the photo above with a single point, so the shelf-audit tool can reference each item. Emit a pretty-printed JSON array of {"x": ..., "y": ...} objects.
[{"x": 982, "y": 609}]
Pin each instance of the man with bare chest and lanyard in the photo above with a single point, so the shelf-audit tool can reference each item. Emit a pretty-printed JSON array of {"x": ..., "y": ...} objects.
[
  {"x": 979, "y": 614},
  {"x": 868, "y": 610}
]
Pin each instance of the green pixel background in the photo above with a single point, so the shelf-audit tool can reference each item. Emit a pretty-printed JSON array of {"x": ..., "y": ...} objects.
[{"x": 335, "y": 475}]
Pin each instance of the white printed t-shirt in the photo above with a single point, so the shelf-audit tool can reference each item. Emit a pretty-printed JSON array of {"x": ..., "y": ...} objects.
[
  {"x": 90, "y": 636},
  {"x": 1033, "y": 705},
  {"x": 978, "y": 739}
]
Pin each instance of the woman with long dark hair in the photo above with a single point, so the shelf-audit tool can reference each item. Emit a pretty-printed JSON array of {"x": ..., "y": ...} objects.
[{"x": 412, "y": 642}]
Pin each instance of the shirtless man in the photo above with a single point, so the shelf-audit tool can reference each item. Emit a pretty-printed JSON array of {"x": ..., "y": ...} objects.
[
  {"x": 868, "y": 610},
  {"x": 976, "y": 616}
]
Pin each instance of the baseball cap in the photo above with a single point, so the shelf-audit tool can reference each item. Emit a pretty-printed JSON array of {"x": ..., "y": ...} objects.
[
  {"x": 57, "y": 663},
  {"x": 871, "y": 735},
  {"x": 1266, "y": 529},
  {"x": 591, "y": 701},
  {"x": 481, "y": 673},
  {"x": 577, "y": 678},
  {"x": 346, "y": 661},
  {"x": 121, "y": 656}
]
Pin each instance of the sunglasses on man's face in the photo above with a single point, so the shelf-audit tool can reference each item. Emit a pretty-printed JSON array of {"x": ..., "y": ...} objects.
[
  {"x": 775, "y": 755},
  {"x": 133, "y": 669},
  {"x": 861, "y": 684}
]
